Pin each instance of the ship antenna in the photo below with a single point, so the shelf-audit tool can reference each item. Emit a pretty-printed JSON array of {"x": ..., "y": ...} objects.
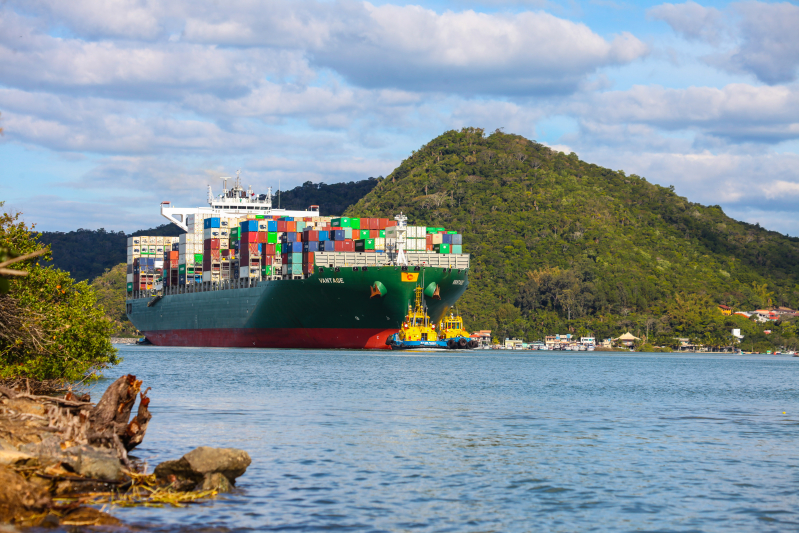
[{"x": 278, "y": 197}]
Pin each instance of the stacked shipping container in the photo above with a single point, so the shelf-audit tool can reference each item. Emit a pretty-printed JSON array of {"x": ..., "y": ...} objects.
[{"x": 225, "y": 248}]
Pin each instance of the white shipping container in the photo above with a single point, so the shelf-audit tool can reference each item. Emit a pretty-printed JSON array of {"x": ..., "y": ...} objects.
[
  {"x": 223, "y": 244},
  {"x": 151, "y": 250},
  {"x": 263, "y": 225},
  {"x": 224, "y": 233},
  {"x": 182, "y": 249},
  {"x": 438, "y": 238},
  {"x": 159, "y": 250},
  {"x": 210, "y": 233}
]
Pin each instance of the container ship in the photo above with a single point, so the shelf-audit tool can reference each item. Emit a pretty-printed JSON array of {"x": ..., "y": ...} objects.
[{"x": 246, "y": 274}]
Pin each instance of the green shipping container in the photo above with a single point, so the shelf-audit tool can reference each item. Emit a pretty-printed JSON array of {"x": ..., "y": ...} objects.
[
  {"x": 452, "y": 233},
  {"x": 341, "y": 222},
  {"x": 364, "y": 234},
  {"x": 348, "y": 233},
  {"x": 369, "y": 244},
  {"x": 234, "y": 232},
  {"x": 259, "y": 217},
  {"x": 266, "y": 270},
  {"x": 182, "y": 269},
  {"x": 130, "y": 287},
  {"x": 457, "y": 248},
  {"x": 198, "y": 258},
  {"x": 441, "y": 248},
  {"x": 271, "y": 238},
  {"x": 301, "y": 226},
  {"x": 355, "y": 223},
  {"x": 382, "y": 234},
  {"x": 278, "y": 249},
  {"x": 189, "y": 271}
]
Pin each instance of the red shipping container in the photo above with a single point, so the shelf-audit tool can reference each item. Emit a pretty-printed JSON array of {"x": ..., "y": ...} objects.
[
  {"x": 284, "y": 258},
  {"x": 382, "y": 223},
  {"x": 338, "y": 246},
  {"x": 429, "y": 247},
  {"x": 261, "y": 237},
  {"x": 374, "y": 233},
  {"x": 269, "y": 249},
  {"x": 216, "y": 256},
  {"x": 428, "y": 240},
  {"x": 211, "y": 244},
  {"x": 267, "y": 260},
  {"x": 391, "y": 223},
  {"x": 173, "y": 256},
  {"x": 226, "y": 253},
  {"x": 249, "y": 237},
  {"x": 349, "y": 245},
  {"x": 291, "y": 226},
  {"x": 281, "y": 226},
  {"x": 252, "y": 248},
  {"x": 310, "y": 236},
  {"x": 308, "y": 257}
]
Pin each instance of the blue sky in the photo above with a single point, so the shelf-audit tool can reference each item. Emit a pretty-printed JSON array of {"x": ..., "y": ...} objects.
[{"x": 111, "y": 106}]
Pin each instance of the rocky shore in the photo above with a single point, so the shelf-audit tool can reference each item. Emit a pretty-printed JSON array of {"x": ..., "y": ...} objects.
[{"x": 60, "y": 456}]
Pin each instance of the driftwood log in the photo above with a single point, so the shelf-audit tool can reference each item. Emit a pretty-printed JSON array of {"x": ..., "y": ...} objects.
[{"x": 76, "y": 421}]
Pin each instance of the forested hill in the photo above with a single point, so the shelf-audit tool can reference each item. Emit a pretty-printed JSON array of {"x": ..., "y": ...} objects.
[
  {"x": 333, "y": 199},
  {"x": 558, "y": 243},
  {"x": 86, "y": 253}
]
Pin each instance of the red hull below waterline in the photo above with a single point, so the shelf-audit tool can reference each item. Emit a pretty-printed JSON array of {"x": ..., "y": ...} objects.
[{"x": 331, "y": 338}]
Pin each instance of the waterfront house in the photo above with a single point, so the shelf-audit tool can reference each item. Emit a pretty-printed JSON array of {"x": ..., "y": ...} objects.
[
  {"x": 483, "y": 337},
  {"x": 514, "y": 344},
  {"x": 628, "y": 340}
]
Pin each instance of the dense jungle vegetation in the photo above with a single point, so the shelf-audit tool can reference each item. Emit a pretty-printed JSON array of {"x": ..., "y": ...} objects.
[{"x": 560, "y": 245}]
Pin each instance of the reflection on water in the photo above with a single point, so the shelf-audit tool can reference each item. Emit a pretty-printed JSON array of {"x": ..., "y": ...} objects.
[{"x": 489, "y": 441}]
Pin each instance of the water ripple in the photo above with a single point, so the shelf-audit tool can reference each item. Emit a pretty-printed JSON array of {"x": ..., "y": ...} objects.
[{"x": 496, "y": 441}]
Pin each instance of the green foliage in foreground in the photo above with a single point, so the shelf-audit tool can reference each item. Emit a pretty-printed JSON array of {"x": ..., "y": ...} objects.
[
  {"x": 560, "y": 245},
  {"x": 50, "y": 326}
]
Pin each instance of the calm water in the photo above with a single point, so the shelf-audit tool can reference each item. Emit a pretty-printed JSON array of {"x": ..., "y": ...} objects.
[{"x": 499, "y": 441}]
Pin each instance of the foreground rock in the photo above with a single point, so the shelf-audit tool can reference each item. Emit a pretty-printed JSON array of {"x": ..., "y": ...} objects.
[
  {"x": 205, "y": 469},
  {"x": 54, "y": 451}
]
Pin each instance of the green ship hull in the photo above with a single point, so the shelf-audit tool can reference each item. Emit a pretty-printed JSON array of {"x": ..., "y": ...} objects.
[{"x": 332, "y": 308}]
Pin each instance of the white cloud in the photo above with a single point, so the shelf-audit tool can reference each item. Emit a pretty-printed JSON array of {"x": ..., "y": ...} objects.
[
  {"x": 770, "y": 47},
  {"x": 762, "y": 37},
  {"x": 691, "y": 20},
  {"x": 736, "y": 112}
]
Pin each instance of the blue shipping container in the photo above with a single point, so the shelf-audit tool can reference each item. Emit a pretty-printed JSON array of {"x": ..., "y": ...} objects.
[
  {"x": 312, "y": 246},
  {"x": 324, "y": 236},
  {"x": 292, "y": 247},
  {"x": 457, "y": 239},
  {"x": 446, "y": 238},
  {"x": 249, "y": 226},
  {"x": 338, "y": 234},
  {"x": 271, "y": 225},
  {"x": 212, "y": 222}
]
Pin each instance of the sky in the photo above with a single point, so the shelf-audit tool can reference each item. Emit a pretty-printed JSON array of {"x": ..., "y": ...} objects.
[{"x": 111, "y": 106}]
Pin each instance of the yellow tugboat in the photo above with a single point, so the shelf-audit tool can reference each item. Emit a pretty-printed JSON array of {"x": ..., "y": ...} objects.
[
  {"x": 452, "y": 332},
  {"x": 418, "y": 331}
]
